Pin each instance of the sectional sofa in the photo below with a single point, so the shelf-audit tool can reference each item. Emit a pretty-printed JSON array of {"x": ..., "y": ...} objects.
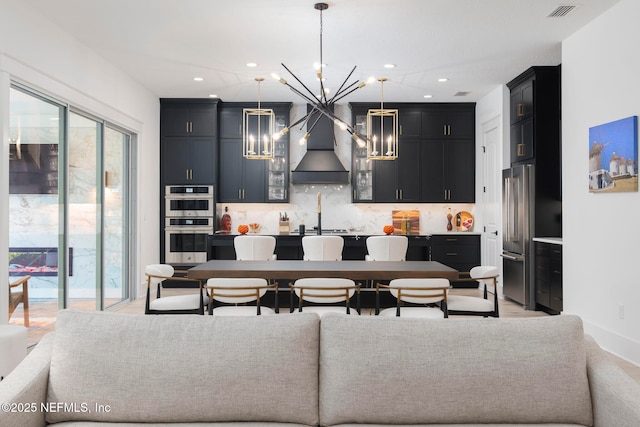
[{"x": 102, "y": 369}]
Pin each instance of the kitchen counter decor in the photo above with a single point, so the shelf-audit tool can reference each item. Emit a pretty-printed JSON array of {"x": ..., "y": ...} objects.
[
  {"x": 243, "y": 229},
  {"x": 388, "y": 229}
]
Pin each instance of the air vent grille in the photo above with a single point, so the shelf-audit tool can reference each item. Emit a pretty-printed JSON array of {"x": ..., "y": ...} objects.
[
  {"x": 461, "y": 93},
  {"x": 561, "y": 11}
]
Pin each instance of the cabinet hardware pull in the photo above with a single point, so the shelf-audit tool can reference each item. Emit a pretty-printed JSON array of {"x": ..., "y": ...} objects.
[
  {"x": 243, "y": 194},
  {"x": 400, "y": 130},
  {"x": 521, "y": 149},
  {"x": 186, "y": 127},
  {"x": 239, "y": 193},
  {"x": 400, "y": 194},
  {"x": 452, "y": 239},
  {"x": 452, "y": 253},
  {"x": 191, "y": 127},
  {"x": 520, "y": 110},
  {"x": 186, "y": 173},
  {"x": 449, "y": 130},
  {"x": 444, "y": 129},
  {"x": 557, "y": 272}
]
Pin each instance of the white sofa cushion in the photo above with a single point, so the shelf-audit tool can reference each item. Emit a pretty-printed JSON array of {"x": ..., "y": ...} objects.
[
  {"x": 185, "y": 368},
  {"x": 454, "y": 371}
]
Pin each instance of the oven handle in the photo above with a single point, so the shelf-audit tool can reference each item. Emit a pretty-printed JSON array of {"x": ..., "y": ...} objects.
[{"x": 189, "y": 229}]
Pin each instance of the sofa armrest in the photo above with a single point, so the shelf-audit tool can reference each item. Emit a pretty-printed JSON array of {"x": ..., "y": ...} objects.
[
  {"x": 25, "y": 388},
  {"x": 615, "y": 396}
]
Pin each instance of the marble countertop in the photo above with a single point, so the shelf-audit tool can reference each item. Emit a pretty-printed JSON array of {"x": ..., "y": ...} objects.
[{"x": 552, "y": 240}]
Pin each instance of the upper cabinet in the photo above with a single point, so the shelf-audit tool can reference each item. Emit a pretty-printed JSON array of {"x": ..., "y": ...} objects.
[
  {"x": 188, "y": 141},
  {"x": 188, "y": 117},
  {"x": 436, "y": 156},
  {"x": 535, "y": 116},
  {"x": 244, "y": 180}
]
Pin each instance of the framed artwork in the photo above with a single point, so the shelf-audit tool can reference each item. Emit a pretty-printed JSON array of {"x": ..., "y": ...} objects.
[
  {"x": 613, "y": 156},
  {"x": 36, "y": 261}
]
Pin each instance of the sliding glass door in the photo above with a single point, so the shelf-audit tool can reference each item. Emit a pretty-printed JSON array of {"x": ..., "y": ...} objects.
[{"x": 69, "y": 212}]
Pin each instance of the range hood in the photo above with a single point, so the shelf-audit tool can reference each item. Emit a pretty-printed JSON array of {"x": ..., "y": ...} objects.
[{"x": 320, "y": 164}]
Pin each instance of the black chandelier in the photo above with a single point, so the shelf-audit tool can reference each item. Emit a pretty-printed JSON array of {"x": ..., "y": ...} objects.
[{"x": 321, "y": 103}]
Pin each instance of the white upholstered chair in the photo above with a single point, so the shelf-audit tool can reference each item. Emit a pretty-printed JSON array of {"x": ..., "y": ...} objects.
[
  {"x": 235, "y": 293},
  {"x": 430, "y": 294},
  {"x": 322, "y": 291},
  {"x": 387, "y": 248},
  {"x": 322, "y": 248},
  {"x": 487, "y": 276},
  {"x": 179, "y": 304},
  {"x": 255, "y": 247}
]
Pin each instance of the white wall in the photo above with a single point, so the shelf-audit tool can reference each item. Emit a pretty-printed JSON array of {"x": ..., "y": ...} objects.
[
  {"x": 600, "y": 69},
  {"x": 39, "y": 55}
]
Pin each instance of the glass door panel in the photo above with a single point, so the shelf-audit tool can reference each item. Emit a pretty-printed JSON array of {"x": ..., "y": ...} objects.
[
  {"x": 36, "y": 131},
  {"x": 83, "y": 202},
  {"x": 116, "y": 178}
]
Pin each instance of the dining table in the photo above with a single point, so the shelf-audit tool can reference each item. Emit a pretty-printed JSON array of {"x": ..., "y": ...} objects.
[{"x": 298, "y": 269}]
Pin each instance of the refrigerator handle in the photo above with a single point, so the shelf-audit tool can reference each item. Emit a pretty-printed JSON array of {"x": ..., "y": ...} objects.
[
  {"x": 507, "y": 197},
  {"x": 512, "y": 257}
]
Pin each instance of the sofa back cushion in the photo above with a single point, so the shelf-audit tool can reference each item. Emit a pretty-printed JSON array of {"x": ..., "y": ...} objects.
[
  {"x": 453, "y": 371},
  {"x": 129, "y": 368}
]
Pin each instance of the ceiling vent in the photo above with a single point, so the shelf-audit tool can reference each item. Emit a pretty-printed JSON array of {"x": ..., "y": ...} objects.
[
  {"x": 461, "y": 93},
  {"x": 561, "y": 11}
]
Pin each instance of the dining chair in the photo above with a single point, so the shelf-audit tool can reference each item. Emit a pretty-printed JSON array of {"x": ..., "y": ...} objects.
[
  {"x": 178, "y": 304},
  {"x": 21, "y": 296},
  {"x": 322, "y": 248},
  {"x": 255, "y": 247},
  {"x": 386, "y": 248},
  {"x": 322, "y": 291},
  {"x": 486, "y": 276},
  {"x": 235, "y": 293},
  {"x": 428, "y": 298}
]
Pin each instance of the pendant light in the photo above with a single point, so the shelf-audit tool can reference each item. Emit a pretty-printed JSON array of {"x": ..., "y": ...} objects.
[
  {"x": 258, "y": 126},
  {"x": 382, "y": 130}
]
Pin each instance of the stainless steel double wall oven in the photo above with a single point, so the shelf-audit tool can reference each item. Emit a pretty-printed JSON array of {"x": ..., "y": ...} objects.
[{"x": 189, "y": 220}]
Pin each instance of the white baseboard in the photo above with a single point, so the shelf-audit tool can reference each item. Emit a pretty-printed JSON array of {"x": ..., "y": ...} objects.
[{"x": 614, "y": 343}]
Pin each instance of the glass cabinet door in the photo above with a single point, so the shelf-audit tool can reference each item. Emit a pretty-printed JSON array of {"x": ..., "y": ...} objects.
[
  {"x": 278, "y": 180},
  {"x": 362, "y": 176}
]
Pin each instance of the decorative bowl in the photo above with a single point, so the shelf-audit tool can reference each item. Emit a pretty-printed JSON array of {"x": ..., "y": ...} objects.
[{"x": 254, "y": 227}]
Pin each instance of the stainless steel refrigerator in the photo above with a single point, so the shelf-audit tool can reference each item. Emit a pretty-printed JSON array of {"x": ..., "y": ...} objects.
[{"x": 531, "y": 207}]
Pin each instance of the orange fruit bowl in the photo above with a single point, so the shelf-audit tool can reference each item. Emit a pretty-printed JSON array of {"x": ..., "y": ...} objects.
[{"x": 243, "y": 229}]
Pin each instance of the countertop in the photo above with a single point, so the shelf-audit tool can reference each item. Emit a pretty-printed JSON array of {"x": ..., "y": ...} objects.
[{"x": 552, "y": 240}]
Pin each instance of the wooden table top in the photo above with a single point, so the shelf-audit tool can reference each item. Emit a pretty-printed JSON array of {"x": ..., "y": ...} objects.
[{"x": 297, "y": 269}]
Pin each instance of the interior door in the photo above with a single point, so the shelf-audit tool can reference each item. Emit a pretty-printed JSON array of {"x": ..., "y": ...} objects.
[{"x": 491, "y": 247}]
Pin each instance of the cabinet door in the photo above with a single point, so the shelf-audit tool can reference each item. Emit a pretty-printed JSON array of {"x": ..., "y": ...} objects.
[
  {"x": 410, "y": 122},
  {"x": 202, "y": 160},
  {"x": 522, "y": 141},
  {"x": 461, "y": 123},
  {"x": 203, "y": 120},
  {"x": 555, "y": 280},
  {"x": 230, "y": 187},
  {"x": 175, "y": 161},
  {"x": 174, "y": 119},
  {"x": 409, "y": 170},
  {"x": 253, "y": 186},
  {"x": 459, "y": 171},
  {"x": 432, "y": 172},
  {"x": 434, "y": 123},
  {"x": 230, "y": 122},
  {"x": 385, "y": 185},
  {"x": 521, "y": 105}
]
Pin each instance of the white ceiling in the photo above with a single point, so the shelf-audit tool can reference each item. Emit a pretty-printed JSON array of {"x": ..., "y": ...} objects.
[{"x": 476, "y": 44}]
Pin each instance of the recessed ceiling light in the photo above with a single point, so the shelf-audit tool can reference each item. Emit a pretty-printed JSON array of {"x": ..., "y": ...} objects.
[
  {"x": 213, "y": 96},
  {"x": 389, "y": 65},
  {"x": 251, "y": 64},
  {"x": 428, "y": 96},
  {"x": 198, "y": 79},
  {"x": 443, "y": 79}
]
